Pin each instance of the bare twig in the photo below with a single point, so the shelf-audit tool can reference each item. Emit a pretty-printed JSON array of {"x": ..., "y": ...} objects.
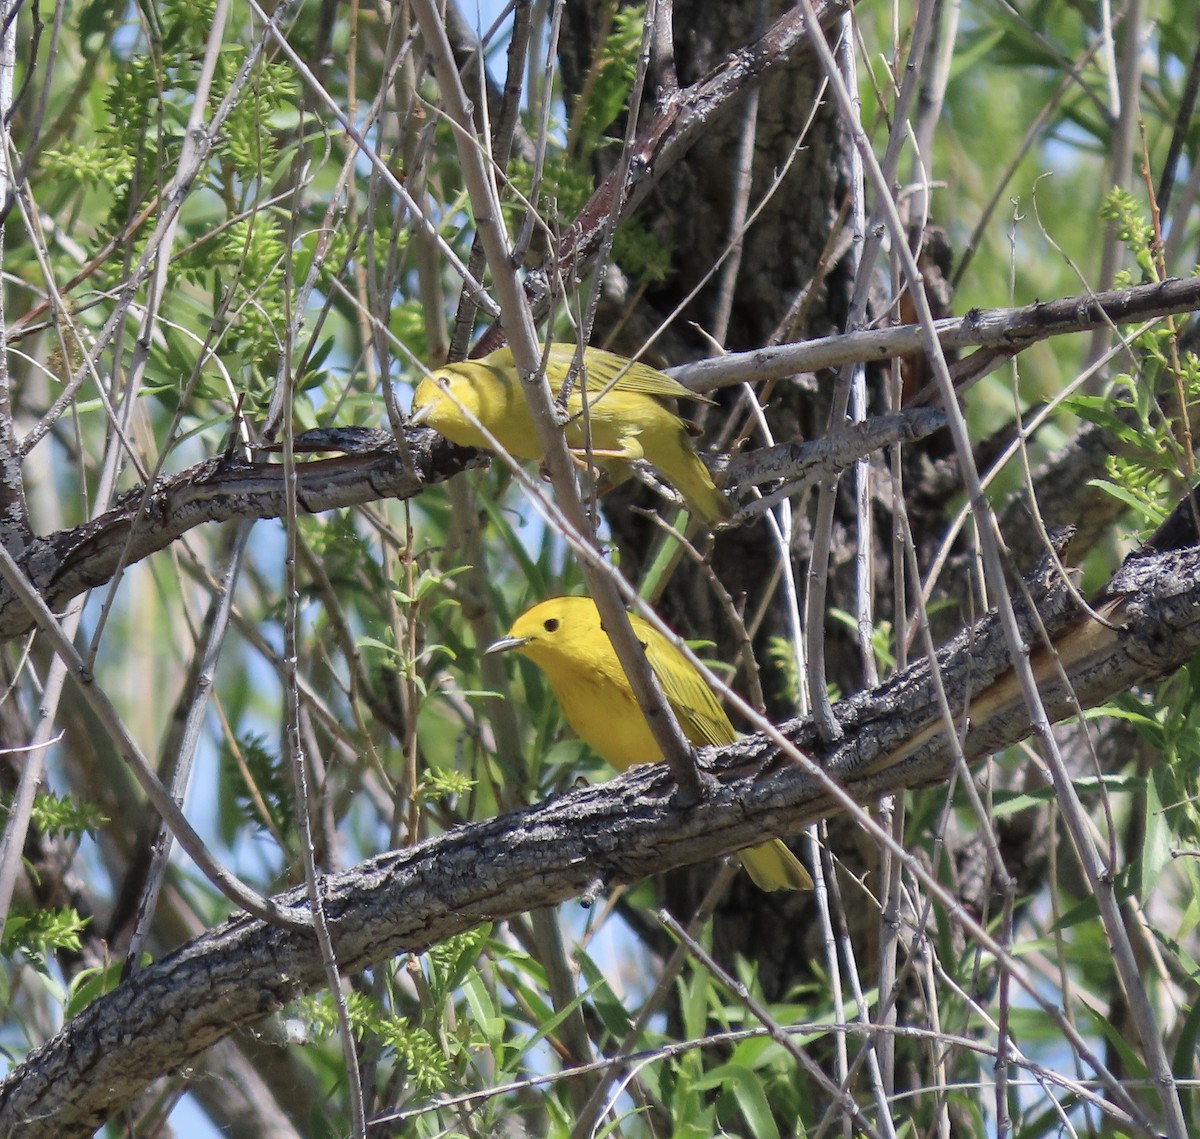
[{"x": 1011, "y": 329}]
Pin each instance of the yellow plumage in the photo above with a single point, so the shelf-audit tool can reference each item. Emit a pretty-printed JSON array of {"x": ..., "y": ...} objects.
[
  {"x": 563, "y": 636},
  {"x": 627, "y": 420}
]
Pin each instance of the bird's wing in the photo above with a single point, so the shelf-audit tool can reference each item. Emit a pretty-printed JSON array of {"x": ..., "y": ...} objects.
[
  {"x": 703, "y": 720},
  {"x": 604, "y": 367}
]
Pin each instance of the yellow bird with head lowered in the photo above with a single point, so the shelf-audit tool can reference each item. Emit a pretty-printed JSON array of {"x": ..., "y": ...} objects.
[
  {"x": 626, "y": 417},
  {"x": 563, "y": 636}
]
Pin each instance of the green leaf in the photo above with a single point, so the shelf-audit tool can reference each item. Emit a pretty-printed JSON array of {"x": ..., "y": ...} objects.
[{"x": 747, "y": 1089}]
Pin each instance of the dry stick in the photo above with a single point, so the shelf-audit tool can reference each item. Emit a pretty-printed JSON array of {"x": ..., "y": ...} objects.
[
  {"x": 14, "y": 514},
  {"x": 1120, "y": 170},
  {"x": 1179, "y": 135},
  {"x": 510, "y": 110},
  {"x": 892, "y": 808},
  {"x": 851, "y": 383},
  {"x": 743, "y": 176},
  {"x": 551, "y": 951},
  {"x": 562, "y": 979},
  {"x": 518, "y": 325},
  {"x": 608, "y": 228},
  {"x": 238, "y": 893},
  {"x": 862, "y": 258},
  {"x": 283, "y": 401},
  {"x": 774, "y": 1029},
  {"x": 298, "y": 761},
  {"x": 295, "y": 746},
  {"x": 530, "y": 218},
  {"x": 601, "y": 1102},
  {"x": 850, "y": 390},
  {"x": 1012, "y": 329},
  {"x": 181, "y": 746},
  {"x": 1097, "y": 874}
]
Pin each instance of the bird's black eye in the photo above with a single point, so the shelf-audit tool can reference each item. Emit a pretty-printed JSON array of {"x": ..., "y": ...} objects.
[{"x": 550, "y": 624}]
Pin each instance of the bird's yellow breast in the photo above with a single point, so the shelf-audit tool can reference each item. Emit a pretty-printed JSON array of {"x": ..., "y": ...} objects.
[{"x": 603, "y": 713}]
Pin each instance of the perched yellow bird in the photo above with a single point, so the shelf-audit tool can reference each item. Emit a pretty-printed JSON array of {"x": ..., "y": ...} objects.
[
  {"x": 564, "y": 638},
  {"x": 627, "y": 419}
]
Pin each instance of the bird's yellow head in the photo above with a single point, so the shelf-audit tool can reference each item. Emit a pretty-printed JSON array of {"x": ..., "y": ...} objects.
[
  {"x": 430, "y": 402},
  {"x": 456, "y": 399},
  {"x": 561, "y": 628}
]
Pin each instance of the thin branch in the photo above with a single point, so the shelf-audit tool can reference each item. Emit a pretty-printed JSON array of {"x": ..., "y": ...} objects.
[
  {"x": 519, "y": 328},
  {"x": 1010, "y": 329}
]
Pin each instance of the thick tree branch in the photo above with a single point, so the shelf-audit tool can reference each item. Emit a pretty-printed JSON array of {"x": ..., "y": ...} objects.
[
  {"x": 405, "y": 901},
  {"x": 65, "y": 564}
]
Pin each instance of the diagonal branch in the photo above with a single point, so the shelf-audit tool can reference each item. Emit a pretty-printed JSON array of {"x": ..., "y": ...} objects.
[
  {"x": 662, "y": 144},
  {"x": 1008, "y": 330},
  {"x": 407, "y": 900}
]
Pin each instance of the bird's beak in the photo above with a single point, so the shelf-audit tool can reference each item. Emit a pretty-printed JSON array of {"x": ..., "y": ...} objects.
[
  {"x": 506, "y": 643},
  {"x": 419, "y": 415}
]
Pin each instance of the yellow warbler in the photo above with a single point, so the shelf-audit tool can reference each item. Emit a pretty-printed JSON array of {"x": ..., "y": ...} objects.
[
  {"x": 627, "y": 420},
  {"x": 564, "y": 638}
]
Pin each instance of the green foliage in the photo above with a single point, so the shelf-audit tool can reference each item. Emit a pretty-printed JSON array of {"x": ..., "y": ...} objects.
[
  {"x": 881, "y": 638},
  {"x": 1147, "y": 414},
  {"x": 38, "y": 933},
  {"x": 260, "y": 785},
  {"x": 1144, "y": 474},
  {"x": 612, "y": 75},
  {"x": 413, "y": 1051},
  {"x": 446, "y": 784},
  {"x": 64, "y": 816},
  {"x": 427, "y": 596},
  {"x": 1134, "y": 231},
  {"x": 782, "y": 654}
]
